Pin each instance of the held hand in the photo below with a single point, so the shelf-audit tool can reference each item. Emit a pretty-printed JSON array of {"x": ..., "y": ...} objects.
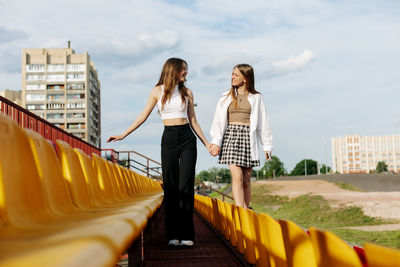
[
  {"x": 268, "y": 155},
  {"x": 208, "y": 146},
  {"x": 115, "y": 138},
  {"x": 214, "y": 150}
]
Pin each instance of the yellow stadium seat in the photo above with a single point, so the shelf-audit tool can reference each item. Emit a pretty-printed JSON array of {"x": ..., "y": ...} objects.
[
  {"x": 224, "y": 219},
  {"x": 272, "y": 248},
  {"x": 115, "y": 182},
  {"x": 247, "y": 222},
  {"x": 238, "y": 229},
  {"x": 92, "y": 252},
  {"x": 231, "y": 223},
  {"x": 73, "y": 173},
  {"x": 246, "y": 234},
  {"x": 216, "y": 221},
  {"x": 104, "y": 177},
  {"x": 298, "y": 246},
  {"x": 331, "y": 251},
  {"x": 380, "y": 256},
  {"x": 94, "y": 184}
]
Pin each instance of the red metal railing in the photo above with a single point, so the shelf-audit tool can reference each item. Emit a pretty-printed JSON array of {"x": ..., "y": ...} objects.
[{"x": 28, "y": 120}]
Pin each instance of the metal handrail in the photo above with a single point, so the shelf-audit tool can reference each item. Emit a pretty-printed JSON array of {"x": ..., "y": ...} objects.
[
  {"x": 149, "y": 171},
  {"x": 202, "y": 191}
]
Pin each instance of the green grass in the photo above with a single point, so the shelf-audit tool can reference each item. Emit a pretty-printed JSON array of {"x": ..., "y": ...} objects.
[
  {"x": 218, "y": 195},
  {"x": 385, "y": 238},
  {"x": 310, "y": 210},
  {"x": 348, "y": 186}
]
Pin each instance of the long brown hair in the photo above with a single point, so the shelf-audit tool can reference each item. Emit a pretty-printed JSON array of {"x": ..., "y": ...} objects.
[
  {"x": 168, "y": 78},
  {"x": 247, "y": 71}
]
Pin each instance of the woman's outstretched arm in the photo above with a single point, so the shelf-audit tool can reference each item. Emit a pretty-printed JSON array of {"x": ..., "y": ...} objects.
[
  {"x": 151, "y": 102},
  {"x": 193, "y": 121}
]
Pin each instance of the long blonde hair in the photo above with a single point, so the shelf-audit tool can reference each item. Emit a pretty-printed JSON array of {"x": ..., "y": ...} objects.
[
  {"x": 247, "y": 71},
  {"x": 168, "y": 78}
]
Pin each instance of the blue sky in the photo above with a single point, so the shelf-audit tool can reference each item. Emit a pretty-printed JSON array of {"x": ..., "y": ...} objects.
[{"x": 325, "y": 68}]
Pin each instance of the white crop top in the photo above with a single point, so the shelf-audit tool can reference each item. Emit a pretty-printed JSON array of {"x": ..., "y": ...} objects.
[{"x": 174, "y": 107}]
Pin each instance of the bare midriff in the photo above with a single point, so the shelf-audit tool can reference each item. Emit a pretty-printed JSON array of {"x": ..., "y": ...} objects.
[
  {"x": 177, "y": 121},
  {"x": 239, "y": 123}
]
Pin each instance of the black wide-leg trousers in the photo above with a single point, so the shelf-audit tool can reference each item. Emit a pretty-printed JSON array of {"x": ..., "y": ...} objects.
[{"x": 178, "y": 159}]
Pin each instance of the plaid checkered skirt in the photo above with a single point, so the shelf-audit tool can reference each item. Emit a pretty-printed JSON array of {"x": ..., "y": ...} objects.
[{"x": 236, "y": 147}]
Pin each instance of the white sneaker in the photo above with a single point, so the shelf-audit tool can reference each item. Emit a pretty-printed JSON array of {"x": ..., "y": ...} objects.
[
  {"x": 174, "y": 242},
  {"x": 188, "y": 243}
]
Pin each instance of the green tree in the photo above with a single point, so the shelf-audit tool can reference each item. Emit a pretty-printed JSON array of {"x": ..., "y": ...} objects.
[
  {"x": 275, "y": 164},
  {"x": 214, "y": 174},
  {"x": 299, "y": 169},
  {"x": 203, "y": 176},
  {"x": 323, "y": 169},
  {"x": 381, "y": 167}
]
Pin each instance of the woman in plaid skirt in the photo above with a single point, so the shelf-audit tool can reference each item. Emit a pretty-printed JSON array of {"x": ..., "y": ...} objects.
[{"x": 240, "y": 123}]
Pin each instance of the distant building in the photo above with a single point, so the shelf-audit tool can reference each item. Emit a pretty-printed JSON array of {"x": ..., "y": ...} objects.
[
  {"x": 361, "y": 154},
  {"x": 14, "y": 96},
  {"x": 62, "y": 87}
]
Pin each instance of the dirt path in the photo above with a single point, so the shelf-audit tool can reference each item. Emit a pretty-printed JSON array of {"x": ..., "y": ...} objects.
[
  {"x": 375, "y": 228},
  {"x": 374, "y": 204}
]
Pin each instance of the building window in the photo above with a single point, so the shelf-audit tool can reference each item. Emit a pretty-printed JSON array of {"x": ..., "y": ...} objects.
[
  {"x": 55, "y": 78},
  {"x": 75, "y": 77},
  {"x": 34, "y": 97},
  {"x": 55, "y": 106},
  {"x": 76, "y": 115},
  {"x": 35, "y": 87},
  {"x": 35, "y": 68},
  {"x": 72, "y": 126},
  {"x": 75, "y": 96},
  {"x": 32, "y": 78},
  {"x": 55, "y": 87},
  {"x": 75, "y": 86},
  {"x": 55, "y": 67},
  {"x": 55, "y": 116},
  {"x": 76, "y": 67},
  {"x": 35, "y": 107},
  {"x": 55, "y": 97},
  {"x": 76, "y": 105}
]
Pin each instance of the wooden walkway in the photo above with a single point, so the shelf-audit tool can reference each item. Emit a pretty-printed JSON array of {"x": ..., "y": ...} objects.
[{"x": 210, "y": 249}]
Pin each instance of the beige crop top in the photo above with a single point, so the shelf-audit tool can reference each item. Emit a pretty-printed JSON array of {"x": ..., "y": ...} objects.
[{"x": 242, "y": 114}]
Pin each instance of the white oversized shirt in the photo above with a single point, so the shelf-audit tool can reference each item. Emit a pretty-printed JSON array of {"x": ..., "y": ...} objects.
[{"x": 260, "y": 130}]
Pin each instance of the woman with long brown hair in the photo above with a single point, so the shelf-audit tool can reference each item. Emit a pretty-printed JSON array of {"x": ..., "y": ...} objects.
[
  {"x": 178, "y": 148},
  {"x": 240, "y": 123}
]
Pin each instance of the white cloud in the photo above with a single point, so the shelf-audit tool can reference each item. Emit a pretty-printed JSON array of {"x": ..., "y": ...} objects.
[
  {"x": 295, "y": 63},
  {"x": 290, "y": 65},
  {"x": 124, "y": 52}
]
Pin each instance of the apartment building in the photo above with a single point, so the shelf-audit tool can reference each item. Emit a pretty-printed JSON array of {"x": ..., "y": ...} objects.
[
  {"x": 63, "y": 88},
  {"x": 361, "y": 154}
]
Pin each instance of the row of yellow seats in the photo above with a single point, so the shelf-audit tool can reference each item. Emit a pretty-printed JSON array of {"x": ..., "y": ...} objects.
[
  {"x": 267, "y": 242},
  {"x": 66, "y": 209}
]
